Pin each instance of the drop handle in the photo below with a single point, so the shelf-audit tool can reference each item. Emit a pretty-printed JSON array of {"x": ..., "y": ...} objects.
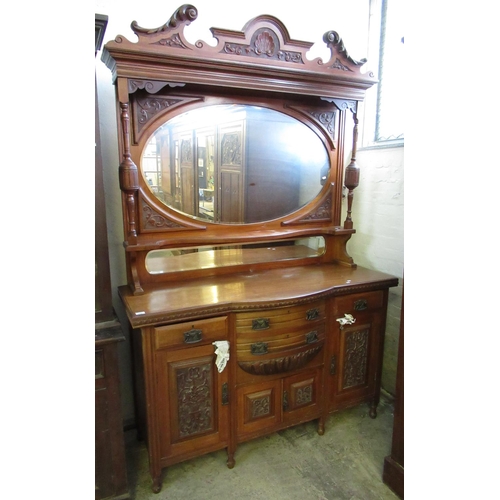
[{"x": 348, "y": 319}]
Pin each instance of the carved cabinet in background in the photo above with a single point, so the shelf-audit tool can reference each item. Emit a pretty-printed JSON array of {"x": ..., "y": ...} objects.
[{"x": 232, "y": 175}]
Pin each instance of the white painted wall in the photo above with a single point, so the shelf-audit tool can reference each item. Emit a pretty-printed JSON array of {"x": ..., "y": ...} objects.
[{"x": 378, "y": 208}]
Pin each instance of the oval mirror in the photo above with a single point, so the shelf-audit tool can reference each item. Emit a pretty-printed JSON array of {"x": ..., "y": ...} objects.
[{"x": 235, "y": 164}]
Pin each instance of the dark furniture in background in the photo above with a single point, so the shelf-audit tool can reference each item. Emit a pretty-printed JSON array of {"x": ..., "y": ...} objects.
[
  {"x": 393, "y": 474},
  {"x": 110, "y": 465}
]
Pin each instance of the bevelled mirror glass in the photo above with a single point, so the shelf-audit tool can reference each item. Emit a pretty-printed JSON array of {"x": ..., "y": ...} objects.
[{"x": 235, "y": 163}]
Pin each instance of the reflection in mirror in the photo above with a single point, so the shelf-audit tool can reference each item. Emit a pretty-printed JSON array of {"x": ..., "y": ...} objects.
[
  {"x": 208, "y": 257},
  {"x": 235, "y": 164}
]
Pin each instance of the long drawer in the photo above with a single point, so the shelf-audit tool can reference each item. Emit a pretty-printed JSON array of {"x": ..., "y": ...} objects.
[{"x": 280, "y": 319}]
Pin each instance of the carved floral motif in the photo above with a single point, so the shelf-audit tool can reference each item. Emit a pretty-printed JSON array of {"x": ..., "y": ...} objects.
[
  {"x": 152, "y": 219},
  {"x": 195, "y": 412},
  {"x": 148, "y": 107},
  {"x": 261, "y": 407},
  {"x": 264, "y": 43},
  {"x": 327, "y": 119},
  {"x": 356, "y": 355}
]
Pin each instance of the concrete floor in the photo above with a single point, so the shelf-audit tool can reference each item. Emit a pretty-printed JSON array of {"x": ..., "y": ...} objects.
[{"x": 345, "y": 463}]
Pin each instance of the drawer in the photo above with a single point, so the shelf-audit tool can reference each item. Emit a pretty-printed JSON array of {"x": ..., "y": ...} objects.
[
  {"x": 191, "y": 333},
  {"x": 278, "y": 344},
  {"x": 282, "y": 318},
  {"x": 358, "y": 302}
]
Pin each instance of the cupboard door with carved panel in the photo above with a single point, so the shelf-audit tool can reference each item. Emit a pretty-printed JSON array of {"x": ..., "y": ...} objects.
[
  {"x": 358, "y": 337},
  {"x": 191, "y": 395},
  {"x": 193, "y": 403}
]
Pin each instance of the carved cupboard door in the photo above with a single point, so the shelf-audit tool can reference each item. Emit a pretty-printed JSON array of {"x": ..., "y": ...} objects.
[
  {"x": 302, "y": 396},
  {"x": 355, "y": 367},
  {"x": 193, "y": 402}
]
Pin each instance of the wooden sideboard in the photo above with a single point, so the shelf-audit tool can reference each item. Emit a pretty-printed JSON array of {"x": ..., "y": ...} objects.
[
  {"x": 260, "y": 267},
  {"x": 290, "y": 359}
]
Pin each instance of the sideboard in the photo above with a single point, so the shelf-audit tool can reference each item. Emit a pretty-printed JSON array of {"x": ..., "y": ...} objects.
[{"x": 248, "y": 314}]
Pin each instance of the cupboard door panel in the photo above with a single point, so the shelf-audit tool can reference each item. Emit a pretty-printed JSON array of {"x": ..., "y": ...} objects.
[
  {"x": 192, "y": 401},
  {"x": 302, "y": 395},
  {"x": 259, "y": 407},
  {"x": 354, "y": 367}
]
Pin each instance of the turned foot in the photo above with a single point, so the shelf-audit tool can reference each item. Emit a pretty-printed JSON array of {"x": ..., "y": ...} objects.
[
  {"x": 321, "y": 426},
  {"x": 156, "y": 484},
  {"x": 230, "y": 460},
  {"x": 373, "y": 411}
]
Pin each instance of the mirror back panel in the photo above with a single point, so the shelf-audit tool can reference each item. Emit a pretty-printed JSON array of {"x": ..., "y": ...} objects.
[{"x": 236, "y": 144}]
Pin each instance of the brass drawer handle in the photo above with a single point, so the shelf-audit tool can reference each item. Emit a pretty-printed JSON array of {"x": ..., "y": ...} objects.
[
  {"x": 192, "y": 336},
  {"x": 258, "y": 348},
  {"x": 360, "y": 305},
  {"x": 311, "y": 337},
  {"x": 260, "y": 324},
  {"x": 312, "y": 314}
]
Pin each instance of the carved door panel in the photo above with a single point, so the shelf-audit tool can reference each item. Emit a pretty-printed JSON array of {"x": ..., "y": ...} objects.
[
  {"x": 302, "y": 396},
  {"x": 259, "y": 407},
  {"x": 193, "y": 401},
  {"x": 353, "y": 366},
  {"x": 231, "y": 172}
]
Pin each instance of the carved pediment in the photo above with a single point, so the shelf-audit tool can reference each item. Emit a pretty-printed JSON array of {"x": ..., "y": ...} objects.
[{"x": 264, "y": 46}]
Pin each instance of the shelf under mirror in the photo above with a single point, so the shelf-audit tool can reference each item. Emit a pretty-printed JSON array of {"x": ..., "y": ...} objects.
[{"x": 209, "y": 257}]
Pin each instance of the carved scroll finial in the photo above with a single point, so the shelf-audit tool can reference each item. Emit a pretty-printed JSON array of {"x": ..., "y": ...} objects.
[
  {"x": 336, "y": 45},
  {"x": 184, "y": 14}
]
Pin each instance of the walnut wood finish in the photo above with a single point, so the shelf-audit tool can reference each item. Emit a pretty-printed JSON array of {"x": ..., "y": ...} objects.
[{"x": 291, "y": 360}]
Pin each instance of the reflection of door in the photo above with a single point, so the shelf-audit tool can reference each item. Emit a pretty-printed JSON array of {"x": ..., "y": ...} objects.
[
  {"x": 188, "y": 170},
  {"x": 231, "y": 140}
]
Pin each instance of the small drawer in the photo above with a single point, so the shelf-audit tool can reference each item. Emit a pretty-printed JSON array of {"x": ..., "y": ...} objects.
[
  {"x": 358, "y": 302},
  {"x": 191, "y": 333},
  {"x": 278, "y": 319}
]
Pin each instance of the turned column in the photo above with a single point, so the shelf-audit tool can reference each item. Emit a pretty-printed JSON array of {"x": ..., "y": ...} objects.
[{"x": 351, "y": 181}]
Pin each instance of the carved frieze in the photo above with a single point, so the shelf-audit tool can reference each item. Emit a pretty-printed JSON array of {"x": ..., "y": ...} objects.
[
  {"x": 281, "y": 364},
  {"x": 264, "y": 43}
]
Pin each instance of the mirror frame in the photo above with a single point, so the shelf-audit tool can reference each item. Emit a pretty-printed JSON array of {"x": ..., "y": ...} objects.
[
  {"x": 162, "y": 71},
  {"x": 298, "y": 111}
]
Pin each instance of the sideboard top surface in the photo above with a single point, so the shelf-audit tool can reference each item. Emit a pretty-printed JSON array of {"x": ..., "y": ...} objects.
[{"x": 248, "y": 291}]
